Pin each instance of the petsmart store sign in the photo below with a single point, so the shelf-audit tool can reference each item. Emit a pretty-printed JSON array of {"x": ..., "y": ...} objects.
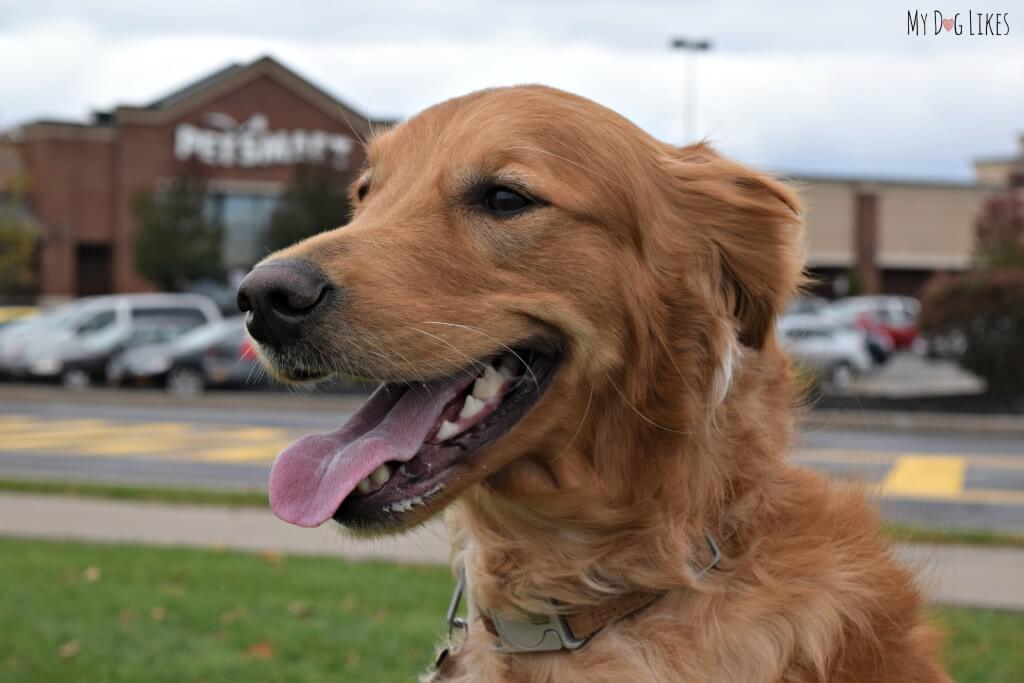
[{"x": 224, "y": 142}]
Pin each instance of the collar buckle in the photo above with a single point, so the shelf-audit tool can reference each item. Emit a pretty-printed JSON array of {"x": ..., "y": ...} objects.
[
  {"x": 540, "y": 632},
  {"x": 537, "y": 633}
]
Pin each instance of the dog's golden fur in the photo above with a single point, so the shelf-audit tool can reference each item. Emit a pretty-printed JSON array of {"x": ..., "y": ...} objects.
[{"x": 660, "y": 272}]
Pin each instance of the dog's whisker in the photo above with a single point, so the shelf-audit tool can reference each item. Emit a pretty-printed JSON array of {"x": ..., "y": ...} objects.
[
  {"x": 579, "y": 427},
  {"x": 473, "y": 361},
  {"x": 494, "y": 339},
  {"x": 637, "y": 411},
  {"x": 573, "y": 163}
]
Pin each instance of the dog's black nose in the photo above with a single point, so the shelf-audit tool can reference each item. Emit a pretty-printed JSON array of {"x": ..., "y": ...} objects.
[{"x": 278, "y": 297}]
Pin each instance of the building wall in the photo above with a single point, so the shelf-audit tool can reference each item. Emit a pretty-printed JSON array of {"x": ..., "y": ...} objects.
[
  {"x": 927, "y": 227},
  {"x": 69, "y": 189},
  {"x": 895, "y": 234},
  {"x": 829, "y": 218},
  {"x": 84, "y": 180}
]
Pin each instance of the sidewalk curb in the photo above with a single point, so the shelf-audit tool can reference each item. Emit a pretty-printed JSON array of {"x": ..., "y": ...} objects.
[
  {"x": 946, "y": 423},
  {"x": 951, "y": 575}
]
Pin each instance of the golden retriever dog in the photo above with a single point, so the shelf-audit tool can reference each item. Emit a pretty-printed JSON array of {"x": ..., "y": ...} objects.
[{"x": 573, "y": 325}]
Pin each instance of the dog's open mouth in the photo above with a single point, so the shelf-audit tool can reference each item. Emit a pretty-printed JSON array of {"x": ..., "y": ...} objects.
[{"x": 407, "y": 443}]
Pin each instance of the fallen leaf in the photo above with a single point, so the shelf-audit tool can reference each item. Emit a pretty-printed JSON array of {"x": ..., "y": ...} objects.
[
  {"x": 272, "y": 558},
  {"x": 127, "y": 616},
  {"x": 172, "y": 588},
  {"x": 381, "y": 615},
  {"x": 91, "y": 574},
  {"x": 348, "y": 604},
  {"x": 261, "y": 650},
  {"x": 300, "y": 609},
  {"x": 233, "y": 615},
  {"x": 69, "y": 649},
  {"x": 157, "y": 613},
  {"x": 352, "y": 658}
]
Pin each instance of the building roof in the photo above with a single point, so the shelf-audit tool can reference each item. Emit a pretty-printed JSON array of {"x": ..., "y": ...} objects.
[
  {"x": 190, "y": 90},
  {"x": 882, "y": 180},
  {"x": 222, "y": 80}
]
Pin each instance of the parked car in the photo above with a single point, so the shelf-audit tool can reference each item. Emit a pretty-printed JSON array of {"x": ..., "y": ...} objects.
[
  {"x": 19, "y": 336},
  {"x": 12, "y": 314},
  {"x": 834, "y": 353},
  {"x": 101, "y": 325},
  {"x": 88, "y": 363},
  {"x": 216, "y": 354},
  {"x": 892, "y": 316},
  {"x": 806, "y": 305}
]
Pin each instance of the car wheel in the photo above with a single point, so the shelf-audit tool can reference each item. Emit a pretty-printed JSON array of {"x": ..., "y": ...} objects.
[
  {"x": 186, "y": 382},
  {"x": 841, "y": 375},
  {"x": 75, "y": 379}
]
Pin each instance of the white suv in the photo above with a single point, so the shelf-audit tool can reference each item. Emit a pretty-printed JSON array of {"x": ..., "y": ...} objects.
[{"x": 100, "y": 326}]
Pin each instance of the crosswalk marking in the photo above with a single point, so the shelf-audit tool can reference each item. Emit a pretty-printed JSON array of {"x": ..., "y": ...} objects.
[
  {"x": 926, "y": 477},
  {"x": 920, "y": 476},
  {"x": 264, "y": 452},
  {"x": 173, "y": 440}
]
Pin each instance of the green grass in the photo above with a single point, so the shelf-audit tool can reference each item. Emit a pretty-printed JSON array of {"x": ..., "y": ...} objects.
[
  {"x": 983, "y": 646},
  {"x": 258, "y": 498},
  {"x": 147, "y": 494},
  {"x": 912, "y": 534},
  {"x": 77, "y": 612}
]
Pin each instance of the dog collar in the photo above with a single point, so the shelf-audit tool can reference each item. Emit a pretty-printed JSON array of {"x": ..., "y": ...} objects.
[{"x": 555, "y": 631}]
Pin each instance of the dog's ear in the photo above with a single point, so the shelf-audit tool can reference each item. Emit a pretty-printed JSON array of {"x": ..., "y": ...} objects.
[{"x": 755, "y": 232}]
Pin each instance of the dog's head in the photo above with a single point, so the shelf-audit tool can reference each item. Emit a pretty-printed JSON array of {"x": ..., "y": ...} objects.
[{"x": 518, "y": 259}]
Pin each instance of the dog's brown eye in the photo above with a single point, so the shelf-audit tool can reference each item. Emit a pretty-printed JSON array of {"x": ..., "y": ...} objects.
[
  {"x": 362, "y": 190},
  {"x": 504, "y": 202}
]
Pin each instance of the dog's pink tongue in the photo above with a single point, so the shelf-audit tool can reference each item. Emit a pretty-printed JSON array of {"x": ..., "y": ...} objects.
[{"x": 313, "y": 476}]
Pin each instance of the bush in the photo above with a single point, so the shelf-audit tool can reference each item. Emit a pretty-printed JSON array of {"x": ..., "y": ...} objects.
[
  {"x": 985, "y": 308},
  {"x": 316, "y": 201},
  {"x": 177, "y": 243},
  {"x": 18, "y": 238}
]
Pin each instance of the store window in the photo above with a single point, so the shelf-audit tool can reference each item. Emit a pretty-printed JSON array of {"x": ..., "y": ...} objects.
[{"x": 246, "y": 218}]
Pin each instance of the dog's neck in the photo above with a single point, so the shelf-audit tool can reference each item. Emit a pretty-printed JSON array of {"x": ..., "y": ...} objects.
[{"x": 623, "y": 510}]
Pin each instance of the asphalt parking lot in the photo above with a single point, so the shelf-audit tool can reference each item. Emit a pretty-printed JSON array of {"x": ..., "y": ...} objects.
[{"x": 926, "y": 477}]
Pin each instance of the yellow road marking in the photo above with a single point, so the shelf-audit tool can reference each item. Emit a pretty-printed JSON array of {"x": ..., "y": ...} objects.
[
  {"x": 926, "y": 477},
  {"x": 849, "y": 457},
  {"x": 265, "y": 452},
  {"x": 254, "y": 433}
]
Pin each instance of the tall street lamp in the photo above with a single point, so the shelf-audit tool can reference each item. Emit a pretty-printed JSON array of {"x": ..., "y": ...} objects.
[{"x": 692, "y": 47}]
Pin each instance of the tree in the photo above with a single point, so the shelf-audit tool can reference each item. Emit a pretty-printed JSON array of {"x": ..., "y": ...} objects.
[
  {"x": 316, "y": 201},
  {"x": 1000, "y": 232},
  {"x": 177, "y": 242},
  {"x": 984, "y": 309},
  {"x": 18, "y": 237}
]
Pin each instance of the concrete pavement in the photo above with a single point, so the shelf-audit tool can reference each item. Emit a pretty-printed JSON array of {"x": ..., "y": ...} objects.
[{"x": 954, "y": 575}]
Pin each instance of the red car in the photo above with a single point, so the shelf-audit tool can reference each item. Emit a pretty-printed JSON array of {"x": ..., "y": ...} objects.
[{"x": 894, "y": 317}]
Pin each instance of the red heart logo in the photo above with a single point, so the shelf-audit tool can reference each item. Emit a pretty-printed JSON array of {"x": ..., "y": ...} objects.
[{"x": 947, "y": 24}]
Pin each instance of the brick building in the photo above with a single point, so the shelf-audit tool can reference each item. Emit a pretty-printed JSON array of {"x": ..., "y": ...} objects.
[
  {"x": 245, "y": 128},
  {"x": 248, "y": 126}
]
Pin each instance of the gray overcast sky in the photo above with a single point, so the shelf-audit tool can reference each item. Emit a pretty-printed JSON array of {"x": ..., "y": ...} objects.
[{"x": 815, "y": 87}]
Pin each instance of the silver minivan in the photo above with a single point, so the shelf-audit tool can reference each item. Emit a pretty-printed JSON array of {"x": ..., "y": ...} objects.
[{"x": 76, "y": 347}]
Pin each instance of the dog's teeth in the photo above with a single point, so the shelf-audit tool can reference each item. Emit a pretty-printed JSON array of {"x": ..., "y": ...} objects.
[
  {"x": 447, "y": 430},
  {"x": 471, "y": 408},
  {"x": 381, "y": 475},
  {"x": 509, "y": 366},
  {"x": 364, "y": 486},
  {"x": 489, "y": 385}
]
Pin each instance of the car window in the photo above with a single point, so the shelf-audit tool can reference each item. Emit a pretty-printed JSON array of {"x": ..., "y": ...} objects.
[
  {"x": 209, "y": 334},
  {"x": 97, "y": 322},
  {"x": 183, "y": 314}
]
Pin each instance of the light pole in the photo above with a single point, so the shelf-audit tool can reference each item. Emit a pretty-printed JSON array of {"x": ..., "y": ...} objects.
[{"x": 692, "y": 47}]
